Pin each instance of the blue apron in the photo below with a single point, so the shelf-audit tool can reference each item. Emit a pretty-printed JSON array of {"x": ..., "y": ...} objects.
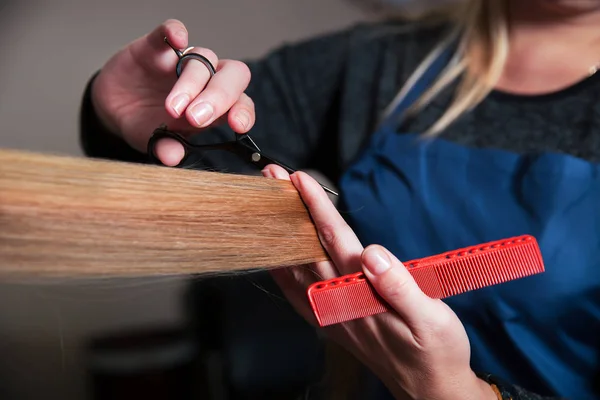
[{"x": 421, "y": 197}]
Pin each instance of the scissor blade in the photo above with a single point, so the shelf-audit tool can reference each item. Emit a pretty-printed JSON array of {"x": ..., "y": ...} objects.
[
  {"x": 328, "y": 190},
  {"x": 262, "y": 161},
  {"x": 253, "y": 142}
]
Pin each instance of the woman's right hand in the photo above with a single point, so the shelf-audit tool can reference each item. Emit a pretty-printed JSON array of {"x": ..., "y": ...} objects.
[{"x": 137, "y": 90}]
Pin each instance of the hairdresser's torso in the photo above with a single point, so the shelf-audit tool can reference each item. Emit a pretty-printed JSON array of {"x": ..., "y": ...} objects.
[{"x": 514, "y": 165}]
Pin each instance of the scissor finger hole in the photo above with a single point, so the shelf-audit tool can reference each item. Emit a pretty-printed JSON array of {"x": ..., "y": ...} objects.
[
  {"x": 169, "y": 151},
  {"x": 197, "y": 57}
]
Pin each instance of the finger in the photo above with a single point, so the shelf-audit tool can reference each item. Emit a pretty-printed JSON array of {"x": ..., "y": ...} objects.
[
  {"x": 337, "y": 237},
  {"x": 152, "y": 51},
  {"x": 169, "y": 151},
  {"x": 398, "y": 288},
  {"x": 305, "y": 276},
  {"x": 242, "y": 115},
  {"x": 191, "y": 82},
  {"x": 220, "y": 94},
  {"x": 275, "y": 172}
]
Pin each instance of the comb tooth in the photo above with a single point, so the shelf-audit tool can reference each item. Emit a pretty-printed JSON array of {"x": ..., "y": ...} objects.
[
  {"x": 428, "y": 281},
  {"x": 500, "y": 272},
  {"x": 465, "y": 270},
  {"x": 344, "y": 299},
  {"x": 498, "y": 259},
  {"x": 534, "y": 262},
  {"x": 451, "y": 276},
  {"x": 490, "y": 268},
  {"x": 350, "y": 297},
  {"x": 446, "y": 276},
  {"x": 537, "y": 264},
  {"x": 452, "y": 280},
  {"x": 481, "y": 278},
  {"x": 522, "y": 263},
  {"x": 532, "y": 256}
]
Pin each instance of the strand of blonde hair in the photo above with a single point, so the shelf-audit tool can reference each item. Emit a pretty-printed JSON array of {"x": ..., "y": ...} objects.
[
  {"x": 75, "y": 217},
  {"x": 480, "y": 33}
]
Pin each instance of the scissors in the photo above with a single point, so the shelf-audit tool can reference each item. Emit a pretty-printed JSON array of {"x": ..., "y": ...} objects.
[{"x": 243, "y": 146}]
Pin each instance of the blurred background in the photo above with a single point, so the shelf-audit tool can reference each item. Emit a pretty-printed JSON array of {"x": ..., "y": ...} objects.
[{"x": 84, "y": 340}]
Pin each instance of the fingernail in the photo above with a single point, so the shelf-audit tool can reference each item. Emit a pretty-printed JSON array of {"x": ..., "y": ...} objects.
[
  {"x": 201, "y": 113},
  {"x": 294, "y": 179},
  {"x": 180, "y": 102},
  {"x": 243, "y": 118},
  {"x": 267, "y": 173},
  {"x": 376, "y": 260}
]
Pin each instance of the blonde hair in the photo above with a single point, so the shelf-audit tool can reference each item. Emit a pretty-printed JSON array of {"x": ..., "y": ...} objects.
[
  {"x": 479, "y": 29},
  {"x": 77, "y": 217}
]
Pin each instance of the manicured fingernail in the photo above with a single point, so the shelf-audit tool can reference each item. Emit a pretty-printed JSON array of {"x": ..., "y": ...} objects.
[
  {"x": 243, "y": 118},
  {"x": 180, "y": 102},
  {"x": 376, "y": 260},
  {"x": 294, "y": 179},
  {"x": 201, "y": 113}
]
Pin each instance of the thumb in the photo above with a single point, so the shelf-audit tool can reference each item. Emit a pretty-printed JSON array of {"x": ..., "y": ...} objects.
[{"x": 397, "y": 287}]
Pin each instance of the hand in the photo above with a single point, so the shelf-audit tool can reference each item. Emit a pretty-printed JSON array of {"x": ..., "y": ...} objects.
[
  {"x": 421, "y": 350},
  {"x": 137, "y": 90}
]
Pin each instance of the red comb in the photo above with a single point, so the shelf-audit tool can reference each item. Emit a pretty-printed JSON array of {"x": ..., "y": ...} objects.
[{"x": 352, "y": 296}]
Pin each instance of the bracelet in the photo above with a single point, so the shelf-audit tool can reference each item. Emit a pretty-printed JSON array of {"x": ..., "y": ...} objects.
[
  {"x": 497, "y": 391},
  {"x": 498, "y": 386}
]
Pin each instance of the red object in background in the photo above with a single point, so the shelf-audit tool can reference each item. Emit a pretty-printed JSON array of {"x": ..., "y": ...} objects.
[{"x": 352, "y": 296}]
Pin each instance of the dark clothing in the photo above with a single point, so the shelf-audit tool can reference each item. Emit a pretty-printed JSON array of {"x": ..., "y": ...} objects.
[
  {"x": 317, "y": 103},
  {"x": 319, "y": 100}
]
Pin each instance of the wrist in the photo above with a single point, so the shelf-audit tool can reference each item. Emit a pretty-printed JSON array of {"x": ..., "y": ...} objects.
[
  {"x": 466, "y": 387},
  {"x": 489, "y": 391},
  {"x": 501, "y": 388},
  {"x": 470, "y": 388}
]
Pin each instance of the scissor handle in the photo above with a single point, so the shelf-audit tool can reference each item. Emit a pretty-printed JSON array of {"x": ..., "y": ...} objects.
[
  {"x": 182, "y": 55},
  {"x": 195, "y": 56},
  {"x": 162, "y": 133}
]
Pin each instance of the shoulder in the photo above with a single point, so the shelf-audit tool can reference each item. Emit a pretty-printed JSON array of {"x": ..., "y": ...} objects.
[
  {"x": 410, "y": 38},
  {"x": 387, "y": 51},
  {"x": 407, "y": 38}
]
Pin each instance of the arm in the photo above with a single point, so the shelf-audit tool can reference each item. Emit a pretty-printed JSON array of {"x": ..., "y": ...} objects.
[{"x": 420, "y": 350}]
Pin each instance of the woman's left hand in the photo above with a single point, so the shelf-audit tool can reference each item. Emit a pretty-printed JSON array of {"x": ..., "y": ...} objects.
[{"x": 420, "y": 350}]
